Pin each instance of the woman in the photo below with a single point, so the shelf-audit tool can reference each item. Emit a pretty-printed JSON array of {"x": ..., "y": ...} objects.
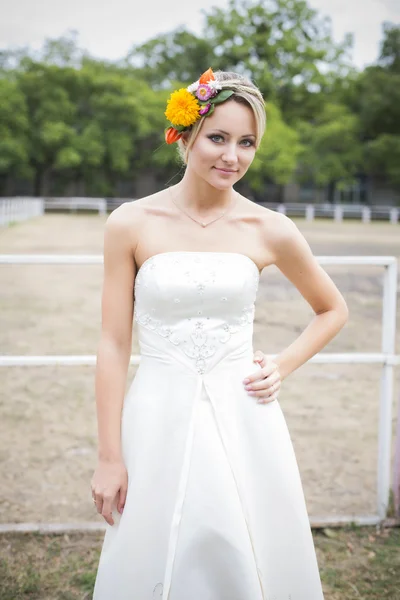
[{"x": 196, "y": 462}]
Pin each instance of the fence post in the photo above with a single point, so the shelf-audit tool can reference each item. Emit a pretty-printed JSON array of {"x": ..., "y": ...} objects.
[
  {"x": 338, "y": 212},
  {"x": 102, "y": 206},
  {"x": 366, "y": 214},
  {"x": 394, "y": 215},
  {"x": 310, "y": 212},
  {"x": 385, "y": 412},
  {"x": 396, "y": 469}
]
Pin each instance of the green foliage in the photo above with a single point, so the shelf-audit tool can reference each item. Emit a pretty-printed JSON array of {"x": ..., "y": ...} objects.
[
  {"x": 331, "y": 149},
  {"x": 383, "y": 157},
  {"x": 175, "y": 56},
  {"x": 282, "y": 44},
  {"x": 14, "y": 128},
  {"x": 378, "y": 102},
  {"x": 67, "y": 117},
  {"x": 390, "y": 50},
  {"x": 276, "y": 157}
]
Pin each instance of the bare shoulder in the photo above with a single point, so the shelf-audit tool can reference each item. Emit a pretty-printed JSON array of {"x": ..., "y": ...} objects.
[
  {"x": 277, "y": 231},
  {"x": 280, "y": 234},
  {"x": 281, "y": 229},
  {"x": 127, "y": 220}
]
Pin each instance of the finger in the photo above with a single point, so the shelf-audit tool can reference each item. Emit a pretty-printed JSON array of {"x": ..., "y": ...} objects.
[
  {"x": 259, "y": 394},
  {"x": 98, "y": 502},
  {"x": 109, "y": 518},
  {"x": 107, "y": 511},
  {"x": 260, "y": 358},
  {"x": 264, "y": 372},
  {"x": 121, "y": 499},
  {"x": 265, "y": 400},
  {"x": 273, "y": 390},
  {"x": 264, "y": 384}
]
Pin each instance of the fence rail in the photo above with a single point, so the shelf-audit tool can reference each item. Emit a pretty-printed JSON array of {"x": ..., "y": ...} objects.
[
  {"x": 387, "y": 358},
  {"x": 74, "y": 204},
  {"x": 337, "y": 212},
  {"x": 19, "y": 209}
]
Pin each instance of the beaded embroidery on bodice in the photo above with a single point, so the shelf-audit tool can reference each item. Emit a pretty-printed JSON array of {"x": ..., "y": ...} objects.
[{"x": 198, "y": 301}]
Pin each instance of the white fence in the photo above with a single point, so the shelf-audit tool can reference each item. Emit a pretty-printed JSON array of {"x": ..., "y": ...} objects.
[
  {"x": 386, "y": 357},
  {"x": 73, "y": 204},
  {"x": 338, "y": 212},
  {"x": 19, "y": 209},
  {"x": 13, "y": 210}
]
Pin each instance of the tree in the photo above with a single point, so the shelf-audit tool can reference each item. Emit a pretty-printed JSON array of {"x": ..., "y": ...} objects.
[
  {"x": 277, "y": 155},
  {"x": 390, "y": 48},
  {"x": 375, "y": 97},
  {"x": 175, "y": 56},
  {"x": 93, "y": 125},
  {"x": 282, "y": 44},
  {"x": 51, "y": 116},
  {"x": 14, "y": 125},
  {"x": 383, "y": 157},
  {"x": 331, "y": 151}
]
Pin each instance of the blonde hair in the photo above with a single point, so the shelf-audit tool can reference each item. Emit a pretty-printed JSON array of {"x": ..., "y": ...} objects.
[{"x": 244, "y": 92}]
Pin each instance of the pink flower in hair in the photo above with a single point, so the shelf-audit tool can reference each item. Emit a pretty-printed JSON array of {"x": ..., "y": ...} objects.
[
  {"x": 204, "y": 92},
  {"x": 204, "y": 109}
]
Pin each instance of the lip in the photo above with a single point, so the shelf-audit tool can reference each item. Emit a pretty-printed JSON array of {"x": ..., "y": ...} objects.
[{"x": 226, "y": 170}]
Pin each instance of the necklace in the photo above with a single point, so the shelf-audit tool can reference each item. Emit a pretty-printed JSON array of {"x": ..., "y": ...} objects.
[{"x": 202, "y": 223}]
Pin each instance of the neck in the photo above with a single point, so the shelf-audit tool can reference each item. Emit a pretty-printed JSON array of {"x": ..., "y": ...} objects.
[{"x": 195, "y": 194}]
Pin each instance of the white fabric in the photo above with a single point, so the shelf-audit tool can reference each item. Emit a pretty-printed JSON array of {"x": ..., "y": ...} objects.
[{"x": 215, "y": 507}]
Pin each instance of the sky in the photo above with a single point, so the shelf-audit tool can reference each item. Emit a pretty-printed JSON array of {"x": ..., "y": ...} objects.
[{"x": 109, "y": 29}]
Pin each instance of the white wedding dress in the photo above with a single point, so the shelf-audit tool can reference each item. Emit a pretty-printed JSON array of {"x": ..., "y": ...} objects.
[{"x": 215, "y": 508}]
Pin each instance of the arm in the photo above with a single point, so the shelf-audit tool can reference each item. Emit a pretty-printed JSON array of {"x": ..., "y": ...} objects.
[
  {"x": 295, "y": 260},
  {"x": 109, "y": 482},
  {"x": 293, "y": 257}
]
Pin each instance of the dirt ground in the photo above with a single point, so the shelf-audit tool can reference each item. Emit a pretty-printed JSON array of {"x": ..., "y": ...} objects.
[{"x": 47, "y": 414}]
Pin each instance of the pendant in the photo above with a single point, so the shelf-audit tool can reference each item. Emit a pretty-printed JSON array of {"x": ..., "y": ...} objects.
[{"x": 204, "y": 224}]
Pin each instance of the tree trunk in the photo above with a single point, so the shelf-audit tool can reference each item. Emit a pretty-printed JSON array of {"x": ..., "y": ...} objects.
[
  {"x": 37, "y": 185},
  {"x": 331, "y": 191}
]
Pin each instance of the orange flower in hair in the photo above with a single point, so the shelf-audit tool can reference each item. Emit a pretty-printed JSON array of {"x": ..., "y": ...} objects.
[
  {"x": 207, "y": 76},
  {"x": 172, "y": 135}
]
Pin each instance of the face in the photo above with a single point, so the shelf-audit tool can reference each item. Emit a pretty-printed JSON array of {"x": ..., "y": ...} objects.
[{"x": 225, "y": 146}]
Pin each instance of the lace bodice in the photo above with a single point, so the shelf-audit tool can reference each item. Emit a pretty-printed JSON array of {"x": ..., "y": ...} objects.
[{"x": 197, "y": 301}]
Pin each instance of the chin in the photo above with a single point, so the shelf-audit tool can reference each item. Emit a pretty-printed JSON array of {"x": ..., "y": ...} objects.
[{"x": 222, "y": 183}]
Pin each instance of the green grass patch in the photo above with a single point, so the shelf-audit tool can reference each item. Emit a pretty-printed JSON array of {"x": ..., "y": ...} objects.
[{"x": 355, "y": 564}]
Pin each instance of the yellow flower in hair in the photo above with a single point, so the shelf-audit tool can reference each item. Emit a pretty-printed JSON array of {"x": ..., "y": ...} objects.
[{"x": 182, "y": 108}]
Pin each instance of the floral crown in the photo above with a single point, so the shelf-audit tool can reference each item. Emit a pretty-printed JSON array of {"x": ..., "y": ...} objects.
[{"x": 186, "y": 105}]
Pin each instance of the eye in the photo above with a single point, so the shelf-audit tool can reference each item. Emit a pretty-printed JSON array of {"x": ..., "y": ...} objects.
[
  {"x": 215, "y": 135},
  {"x": 248, "y": 143}
]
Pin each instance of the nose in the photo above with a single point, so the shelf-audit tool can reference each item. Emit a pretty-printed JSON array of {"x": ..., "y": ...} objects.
[{"x": 230, "y": 154}]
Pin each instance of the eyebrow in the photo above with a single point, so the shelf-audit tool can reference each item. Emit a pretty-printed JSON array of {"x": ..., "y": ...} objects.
[{"x": 226, "y": 133}]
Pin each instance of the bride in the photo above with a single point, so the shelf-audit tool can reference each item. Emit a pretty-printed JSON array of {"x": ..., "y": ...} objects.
[{"x": 196, "y": 476}]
